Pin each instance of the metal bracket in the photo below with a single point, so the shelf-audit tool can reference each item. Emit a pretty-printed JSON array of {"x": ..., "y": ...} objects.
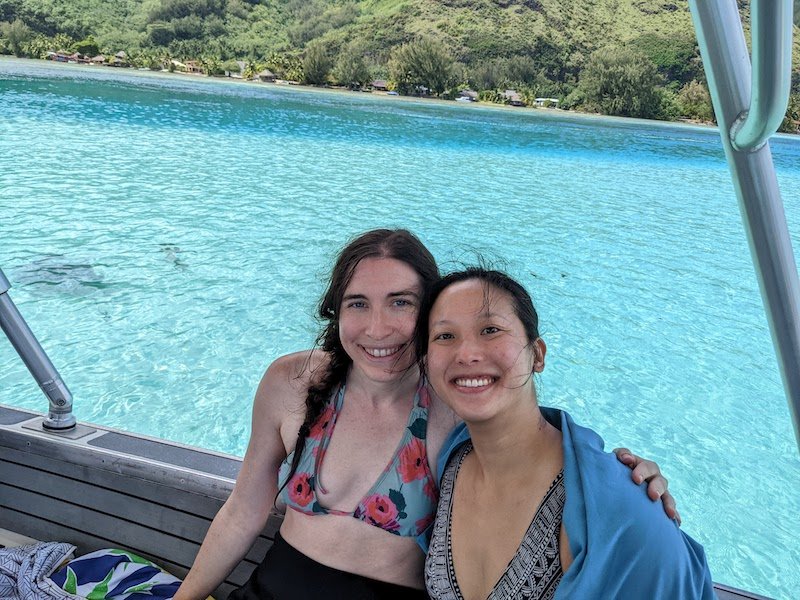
[{"x": 771, "y": 40}]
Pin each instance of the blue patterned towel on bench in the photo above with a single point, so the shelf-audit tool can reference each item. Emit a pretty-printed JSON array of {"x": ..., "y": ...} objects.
[{"x": 115, "y": 575}]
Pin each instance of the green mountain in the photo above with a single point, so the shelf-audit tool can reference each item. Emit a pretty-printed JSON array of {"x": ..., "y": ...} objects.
[
  {"x": 540, "y": 47},
  {"x": 472, "y": 29}
]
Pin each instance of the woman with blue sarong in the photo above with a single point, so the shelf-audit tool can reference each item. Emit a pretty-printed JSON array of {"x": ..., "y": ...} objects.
[{"x": 530, "y": 506}]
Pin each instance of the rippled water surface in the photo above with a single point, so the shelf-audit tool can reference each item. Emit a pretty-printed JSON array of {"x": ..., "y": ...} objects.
[{"x": 166, "y": 238}]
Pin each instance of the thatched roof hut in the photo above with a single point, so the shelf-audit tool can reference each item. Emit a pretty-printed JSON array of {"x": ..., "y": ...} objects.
[{"x": 266, "y": 75}]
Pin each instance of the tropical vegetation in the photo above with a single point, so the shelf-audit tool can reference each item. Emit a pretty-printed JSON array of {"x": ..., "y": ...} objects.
[{"x": 620, "y": 57}]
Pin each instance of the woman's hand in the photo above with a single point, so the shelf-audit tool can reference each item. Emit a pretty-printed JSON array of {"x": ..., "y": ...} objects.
[{"x": 647, "y": 470}]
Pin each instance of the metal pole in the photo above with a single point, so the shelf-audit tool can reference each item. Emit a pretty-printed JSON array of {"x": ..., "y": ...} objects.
[
  {"x": 59, "y": 416},
  {"x": 728, "y": 70}
]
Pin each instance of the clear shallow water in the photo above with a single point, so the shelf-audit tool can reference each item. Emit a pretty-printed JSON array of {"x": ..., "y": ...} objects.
[{"x": 167, "y": 238}]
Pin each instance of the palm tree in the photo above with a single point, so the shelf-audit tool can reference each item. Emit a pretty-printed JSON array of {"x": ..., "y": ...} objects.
[
  {"x": 251, "y": 69},
  {"x": 165, "y": 58}
]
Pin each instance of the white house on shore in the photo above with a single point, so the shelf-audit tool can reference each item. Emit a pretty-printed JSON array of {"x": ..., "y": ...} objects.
[{"x": 546, "y": 102}]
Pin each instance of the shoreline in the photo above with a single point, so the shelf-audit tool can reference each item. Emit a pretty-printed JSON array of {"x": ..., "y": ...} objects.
[{"x": 549, "y": 113}]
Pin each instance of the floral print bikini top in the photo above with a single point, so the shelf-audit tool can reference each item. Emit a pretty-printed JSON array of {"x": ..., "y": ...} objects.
[{"x": 402, "y": 501}]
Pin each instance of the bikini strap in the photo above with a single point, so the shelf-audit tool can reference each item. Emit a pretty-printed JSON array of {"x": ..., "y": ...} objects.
[{"x": 336, "y": 401}]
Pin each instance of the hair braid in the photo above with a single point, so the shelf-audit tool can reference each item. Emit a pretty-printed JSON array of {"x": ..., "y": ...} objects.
[{"x": 319, "y": 394}]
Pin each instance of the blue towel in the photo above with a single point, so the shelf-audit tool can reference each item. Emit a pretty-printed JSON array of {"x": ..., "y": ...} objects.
[{"x": 623, "y": 545}]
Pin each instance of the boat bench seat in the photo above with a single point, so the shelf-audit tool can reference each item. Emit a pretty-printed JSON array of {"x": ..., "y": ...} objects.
[{"x": 111, "y": 489}]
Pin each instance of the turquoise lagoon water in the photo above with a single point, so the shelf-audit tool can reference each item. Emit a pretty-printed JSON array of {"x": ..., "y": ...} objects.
[{"x": 167, "y": 237}]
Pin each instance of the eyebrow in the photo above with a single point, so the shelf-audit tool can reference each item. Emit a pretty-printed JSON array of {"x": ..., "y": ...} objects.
[
  {"x": 485, "y": 315},
  {"x": 404, "y": 293},
  {"x": 389, "y": 295}
]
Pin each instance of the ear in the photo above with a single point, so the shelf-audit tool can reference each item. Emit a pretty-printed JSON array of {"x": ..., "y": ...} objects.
[{"x": 539, "y": 350}]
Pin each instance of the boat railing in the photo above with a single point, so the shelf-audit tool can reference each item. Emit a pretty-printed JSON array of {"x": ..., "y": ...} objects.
[
  {"x": 59, "y": 415},
  {"x": 750, "y": 101}
]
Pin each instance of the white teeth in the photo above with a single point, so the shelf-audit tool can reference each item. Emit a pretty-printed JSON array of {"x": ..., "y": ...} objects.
[
  {"x": 473, "y": 383},
  {"x": 382, "y": 352}
]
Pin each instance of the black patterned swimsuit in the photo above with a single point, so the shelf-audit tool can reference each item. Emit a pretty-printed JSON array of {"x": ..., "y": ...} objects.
[{"x": 534, "y": 571}]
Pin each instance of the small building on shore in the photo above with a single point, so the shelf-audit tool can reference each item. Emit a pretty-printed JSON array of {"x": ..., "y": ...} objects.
[
  {"x": 120, "y": 59},
  {"x": 547, "y": 102},
  {"x": 241, "y": 65},
  {"x": 58, "y": 56},
  {"x": 379, "y": 85},
  {"x": 422, "y": 91},
  {"x": 266, "y": 76},
  {"x": 513, "y": 98},
  {"x": 193, "y": 67},
  {"x": 468, "y": 95}
]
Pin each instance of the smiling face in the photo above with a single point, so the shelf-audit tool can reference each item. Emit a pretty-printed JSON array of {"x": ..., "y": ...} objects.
[
  {"x": 377, "y": 318},
  {"x": 480, "y": 360}
]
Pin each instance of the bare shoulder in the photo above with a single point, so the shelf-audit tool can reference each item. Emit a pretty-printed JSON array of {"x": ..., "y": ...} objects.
[
  {"x": 284, "y": 384},
  {"x": 279, "y": 407},
  {"x": 297, "y": 368},
  {"x": 278, "y": 411}
]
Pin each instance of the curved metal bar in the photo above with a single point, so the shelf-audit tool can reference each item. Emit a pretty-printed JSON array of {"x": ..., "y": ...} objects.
[
  {"x": 771, "y": 39},
  {"x": 59, "y": 416},
  {"x": 725, "y": 58}
]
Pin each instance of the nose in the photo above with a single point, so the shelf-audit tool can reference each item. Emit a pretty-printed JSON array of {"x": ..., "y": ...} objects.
[
  {"x": 468, "y": 351},
  {"x": 379, "y": 325}
]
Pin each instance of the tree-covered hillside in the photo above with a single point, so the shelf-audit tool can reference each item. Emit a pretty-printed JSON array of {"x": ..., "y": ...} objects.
[{"x": 631, "y": 57}]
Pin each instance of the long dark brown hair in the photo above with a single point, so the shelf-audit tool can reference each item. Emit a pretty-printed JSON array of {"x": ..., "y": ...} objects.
[{"x": 399, "y": 244}]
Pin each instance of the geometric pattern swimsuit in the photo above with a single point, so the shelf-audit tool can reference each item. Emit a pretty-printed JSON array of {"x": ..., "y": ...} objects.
[
  {"x": 403, "y": 499},
  {"x": 535, "y": 570}
]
